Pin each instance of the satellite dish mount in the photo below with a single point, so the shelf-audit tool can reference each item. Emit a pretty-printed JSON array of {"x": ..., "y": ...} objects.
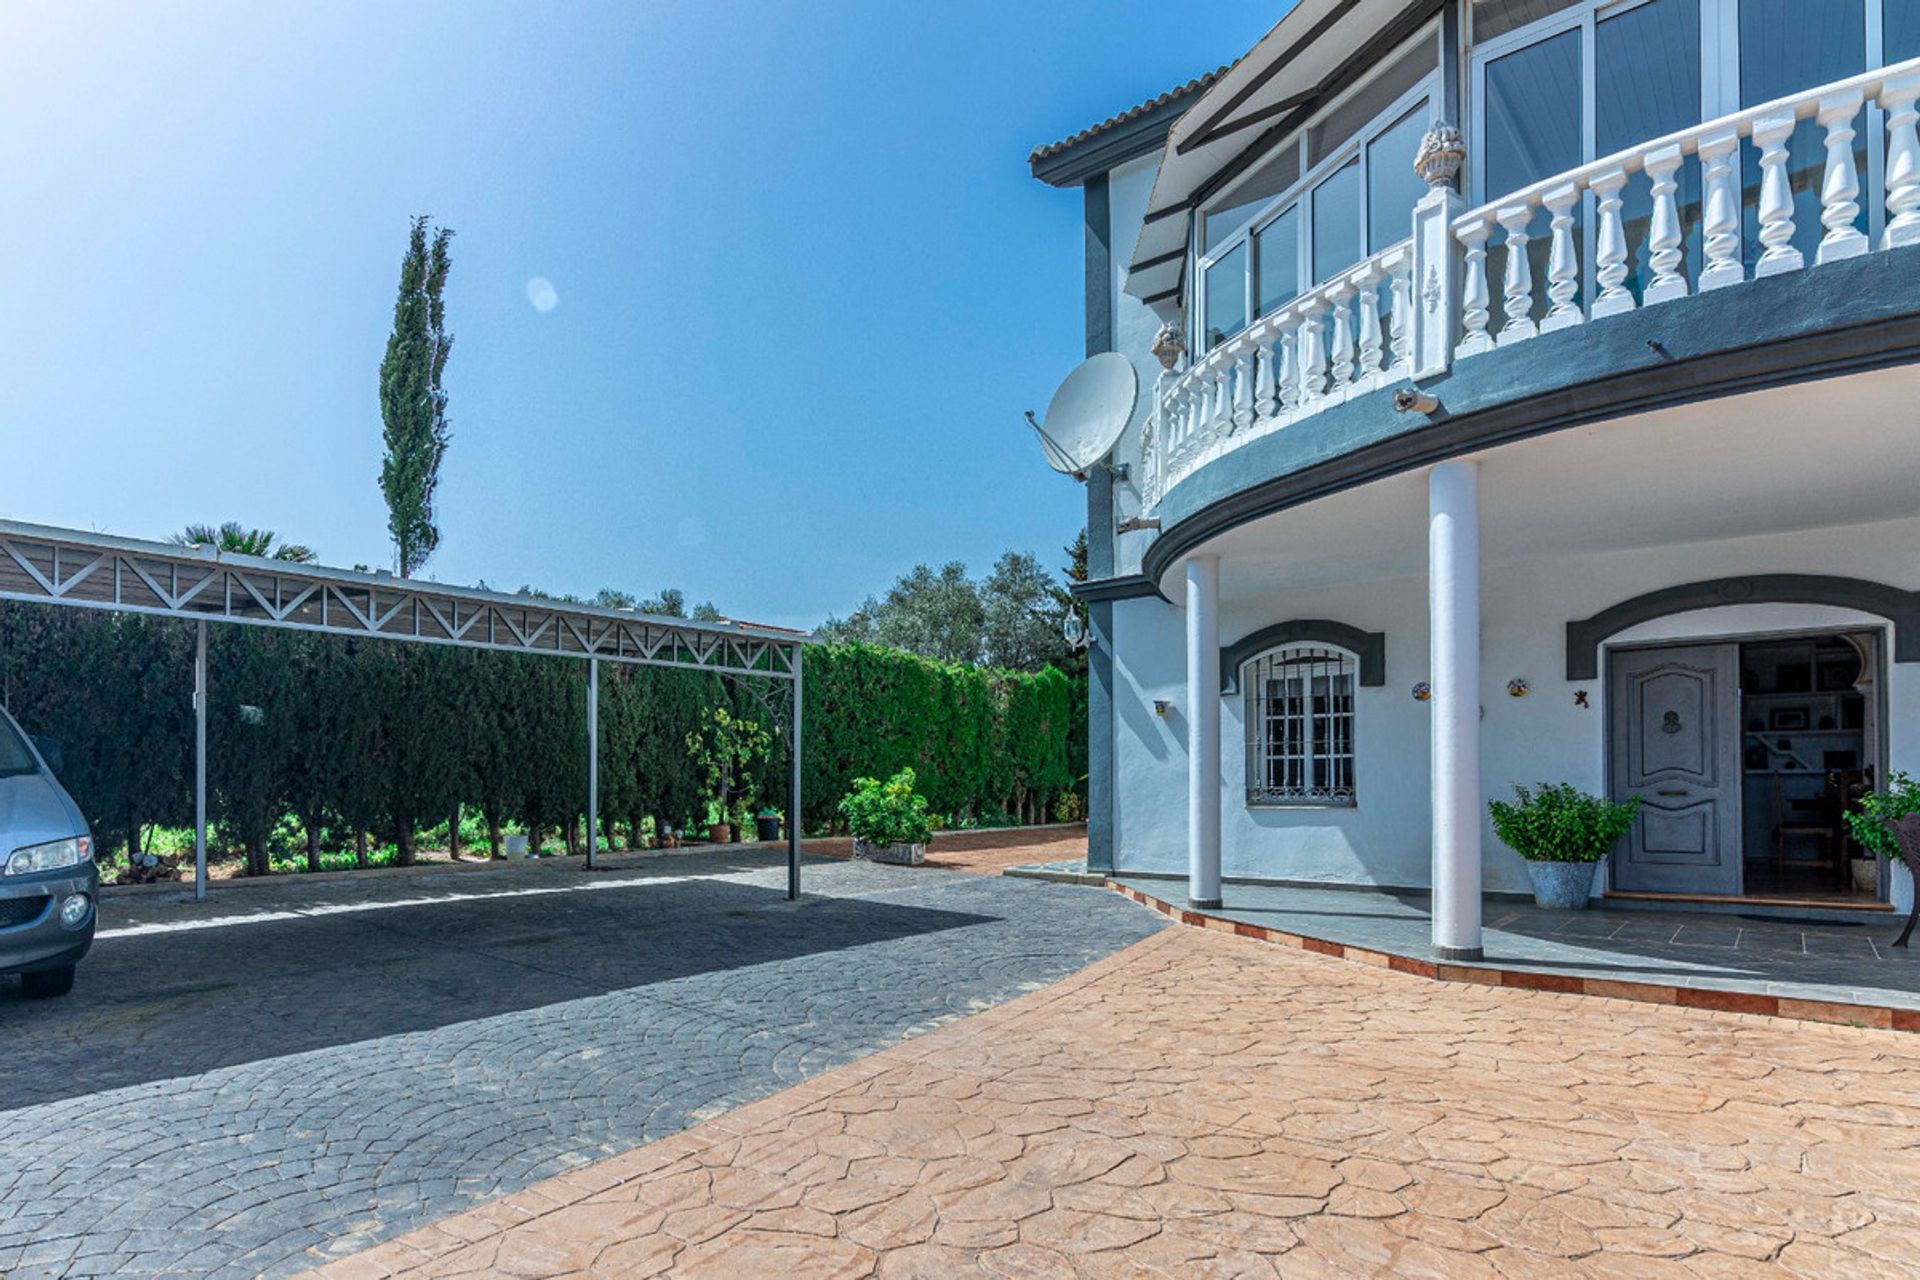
[{"x": 1086, "y": 416}]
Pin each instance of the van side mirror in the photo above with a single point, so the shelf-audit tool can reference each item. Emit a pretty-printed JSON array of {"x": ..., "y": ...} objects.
[{"x": 49, "y": 749}]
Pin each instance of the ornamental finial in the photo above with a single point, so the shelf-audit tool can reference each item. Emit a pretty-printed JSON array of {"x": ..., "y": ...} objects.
[
  {"x": 1442, "y": 152},
  {"x": 1169, "y": 345}
]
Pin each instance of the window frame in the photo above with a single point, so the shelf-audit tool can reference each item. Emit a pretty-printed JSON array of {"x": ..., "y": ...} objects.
[
  {"x": 1300, "y": 195},
  {"x": 1719, "y": 94},
  {"x": 1255, "y": 673}
]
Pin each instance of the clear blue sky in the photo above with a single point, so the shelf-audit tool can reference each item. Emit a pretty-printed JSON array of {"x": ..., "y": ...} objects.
[{"x": 805, "y": 284}]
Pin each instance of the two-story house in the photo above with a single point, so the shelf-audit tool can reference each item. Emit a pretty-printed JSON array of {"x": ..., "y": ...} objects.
[{"x": 1528, "y": 393}]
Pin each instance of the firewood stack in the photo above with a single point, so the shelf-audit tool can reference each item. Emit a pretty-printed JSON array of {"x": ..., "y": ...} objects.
[{"x": 147, "y": 868}]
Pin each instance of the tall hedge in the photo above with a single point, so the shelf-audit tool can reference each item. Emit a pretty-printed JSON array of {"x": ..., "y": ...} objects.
[{"x": 350, "y": 738}]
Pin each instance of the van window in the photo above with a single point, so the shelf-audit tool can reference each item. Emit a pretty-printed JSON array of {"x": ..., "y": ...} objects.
[{"x": 15, "y": 758}]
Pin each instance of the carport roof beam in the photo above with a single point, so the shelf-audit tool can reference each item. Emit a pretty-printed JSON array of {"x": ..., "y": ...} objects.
[{"x": 43, "y": 565}]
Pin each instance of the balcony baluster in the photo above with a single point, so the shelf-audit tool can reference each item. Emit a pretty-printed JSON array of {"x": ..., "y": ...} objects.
[
  {"x": 1401, "y": 313},
  {"x": 1342, "y": 335},
  {"x": 1476, "y": 306},
  {"x": 1243, "y": 354},
  {"x": 1840, "y": 188},
  {"x": 1264, "y": 399},
  {"x": 1663, "y": 230},
  {"x": 1313, "y": 354},
  {"x": 1776, "y": 198},
  {"x": 1289, "y": 378},
  {"x": 1368, "y": 279},
  {"x": 1563, "y": 262},
  {"x": 1722, "y": 219},
  {"x": 1903, "y": 162},
  {"x": 1610, "y": 247},
  {"x": 1518, "y": 293}
]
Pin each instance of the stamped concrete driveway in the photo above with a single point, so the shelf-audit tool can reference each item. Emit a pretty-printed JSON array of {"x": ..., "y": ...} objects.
[
  {"x": 257, "y": 1084},
  {"x": 1201, "y": 1105}
]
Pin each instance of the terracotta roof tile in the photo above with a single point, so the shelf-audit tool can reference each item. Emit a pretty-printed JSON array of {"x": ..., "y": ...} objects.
[{"x": 1190, "y": 88}]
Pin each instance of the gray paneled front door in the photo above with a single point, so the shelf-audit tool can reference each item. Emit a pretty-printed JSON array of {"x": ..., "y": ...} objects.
[{"x": 1675, "y": 740}]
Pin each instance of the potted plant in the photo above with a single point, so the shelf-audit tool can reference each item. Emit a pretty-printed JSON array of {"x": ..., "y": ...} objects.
[
  {"x": 1871, "y": 821},
  {"x": 767, "y": 821},
  {"x": 1562, "y": 833},
  {"x": 888, "y": 820},
  {"x": 719, "y": 830},
  {"x": 723, "y": 746}
]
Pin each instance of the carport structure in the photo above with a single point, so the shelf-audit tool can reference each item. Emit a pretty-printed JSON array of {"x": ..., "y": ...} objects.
[{"x": 43, "y": 565}]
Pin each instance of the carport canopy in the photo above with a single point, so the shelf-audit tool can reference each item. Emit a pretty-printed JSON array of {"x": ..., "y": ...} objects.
[{"x": 70, "y": 567}]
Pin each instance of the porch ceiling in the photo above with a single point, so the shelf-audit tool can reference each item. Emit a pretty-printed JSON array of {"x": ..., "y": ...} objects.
[{"x": 1838, "y": 451}]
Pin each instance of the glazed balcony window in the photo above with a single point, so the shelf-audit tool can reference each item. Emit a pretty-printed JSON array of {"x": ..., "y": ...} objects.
[{"x": 1338, "y": 190}]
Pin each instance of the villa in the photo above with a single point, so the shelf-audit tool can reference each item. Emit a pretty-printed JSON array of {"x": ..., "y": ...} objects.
[{"x": 1527, "y": 391}]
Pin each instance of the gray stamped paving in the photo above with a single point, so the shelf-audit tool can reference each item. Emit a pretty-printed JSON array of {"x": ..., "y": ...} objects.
[{"x": 256, "y": 1097}]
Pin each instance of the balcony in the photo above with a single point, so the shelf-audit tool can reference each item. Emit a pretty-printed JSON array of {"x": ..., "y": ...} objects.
[{"x": 1362, "y": 331}]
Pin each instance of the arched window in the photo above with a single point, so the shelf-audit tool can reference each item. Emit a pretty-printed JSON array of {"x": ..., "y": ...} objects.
[{"x": 1300, "y": 726}]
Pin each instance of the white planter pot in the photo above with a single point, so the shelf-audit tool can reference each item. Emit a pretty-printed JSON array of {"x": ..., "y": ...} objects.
[
  {"x": 515, "y": 847},
  {"x": 906, "y": 855},
  {"x": 1866, "y": 875}
]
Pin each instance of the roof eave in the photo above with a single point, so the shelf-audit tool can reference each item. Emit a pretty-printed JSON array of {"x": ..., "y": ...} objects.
[{"x": 1072, "y": 163}]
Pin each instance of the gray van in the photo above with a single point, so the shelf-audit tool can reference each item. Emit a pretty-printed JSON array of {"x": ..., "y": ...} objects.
[{"x": 48, "y": 881}]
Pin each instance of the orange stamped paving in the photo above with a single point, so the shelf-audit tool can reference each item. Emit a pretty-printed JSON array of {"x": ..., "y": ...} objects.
[{"x": 1204, "y": 1105}]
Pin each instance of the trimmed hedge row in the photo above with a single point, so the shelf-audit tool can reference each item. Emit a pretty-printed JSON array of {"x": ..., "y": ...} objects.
[{"x": 353, "y": 737}]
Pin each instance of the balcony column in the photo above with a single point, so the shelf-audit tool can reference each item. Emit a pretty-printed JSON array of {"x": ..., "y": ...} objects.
[
  {"x": 1453, "y": 587},
  {"x": 1436, "y": 278},
  {"x": 1203, "y": 732}
]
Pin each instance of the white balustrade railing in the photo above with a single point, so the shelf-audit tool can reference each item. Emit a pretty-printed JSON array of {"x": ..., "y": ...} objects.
[
  {"x": 1336, "y": 341},
  {"x": 1322, "y": 348},
  {"x": 1837, "y": 108}
]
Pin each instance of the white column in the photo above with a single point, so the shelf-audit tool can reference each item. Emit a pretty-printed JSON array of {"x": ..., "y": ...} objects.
[
  {"x": 593, "y": 760},
  {"x": 1203, "y": 731},
  {"x": 1453, "y": 587},
  {"x": 200, "y": 761}
]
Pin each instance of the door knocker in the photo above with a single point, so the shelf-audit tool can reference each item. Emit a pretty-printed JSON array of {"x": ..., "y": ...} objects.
[{"x": 1670, "y": 722}]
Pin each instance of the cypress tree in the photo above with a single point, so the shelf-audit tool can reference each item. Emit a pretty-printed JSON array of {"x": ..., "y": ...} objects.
[{"x": 413, "y": 405}]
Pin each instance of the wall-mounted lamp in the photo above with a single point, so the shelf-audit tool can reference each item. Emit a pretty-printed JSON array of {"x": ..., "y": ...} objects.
[
  {"x": 1161, "y": 706},
  {"x": 1423, "y": 692},
  {"x": 1074, "y": 630},
  {"x": 1414, "y": 400},
  {"x": 1518, "y": 688}
]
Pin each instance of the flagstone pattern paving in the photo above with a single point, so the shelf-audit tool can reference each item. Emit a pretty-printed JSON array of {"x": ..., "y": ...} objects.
[
  {"x": 1206, "y": 1105},
  {"x": 236, "y": 1087}
]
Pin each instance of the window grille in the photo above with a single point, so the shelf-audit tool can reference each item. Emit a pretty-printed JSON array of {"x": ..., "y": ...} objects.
[{"x": 1300, "y": 727}]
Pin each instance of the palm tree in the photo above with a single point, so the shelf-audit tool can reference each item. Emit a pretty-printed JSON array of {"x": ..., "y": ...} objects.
[{"x": 234, "y": 540}]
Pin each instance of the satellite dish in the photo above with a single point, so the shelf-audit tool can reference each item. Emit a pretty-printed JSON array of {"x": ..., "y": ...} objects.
[{"x": 1088, "y": 413}]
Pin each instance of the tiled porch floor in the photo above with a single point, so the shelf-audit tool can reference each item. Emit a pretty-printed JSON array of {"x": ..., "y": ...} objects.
[{"x": 1824, "y": 960}]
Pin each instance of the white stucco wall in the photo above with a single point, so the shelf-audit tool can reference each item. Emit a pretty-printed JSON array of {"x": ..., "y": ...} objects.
[{"x": 1544, "y": 736}]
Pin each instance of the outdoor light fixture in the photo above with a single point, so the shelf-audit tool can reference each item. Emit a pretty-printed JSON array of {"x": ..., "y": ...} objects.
[
  {"x": 1518, "y": 688},
  {"x": 1074, "y": 629},
  {"x": 1138, "y": 524},
  {"x": 1414, "y": 400},
  {"x": 1161, "y": 706}
]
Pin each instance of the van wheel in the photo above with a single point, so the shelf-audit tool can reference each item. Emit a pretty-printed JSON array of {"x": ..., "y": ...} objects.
[{"x": 47, "y": 982}]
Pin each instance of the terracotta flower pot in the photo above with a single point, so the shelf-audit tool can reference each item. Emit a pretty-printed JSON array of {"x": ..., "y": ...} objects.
[{"x": 720, "y": 832}]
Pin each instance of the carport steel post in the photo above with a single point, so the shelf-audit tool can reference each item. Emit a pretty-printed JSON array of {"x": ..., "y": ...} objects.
[{"x": 44, "y": 565}]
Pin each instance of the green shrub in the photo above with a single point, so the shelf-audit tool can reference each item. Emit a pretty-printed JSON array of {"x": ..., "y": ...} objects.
[
  {"x": 887, "y": 812},
  {"x": 1557, "y": 823},
  {"x": 1873, "y": 814}
]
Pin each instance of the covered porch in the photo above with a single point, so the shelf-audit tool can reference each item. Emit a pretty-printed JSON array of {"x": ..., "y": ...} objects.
[{"x": 1476, "y": 616}]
